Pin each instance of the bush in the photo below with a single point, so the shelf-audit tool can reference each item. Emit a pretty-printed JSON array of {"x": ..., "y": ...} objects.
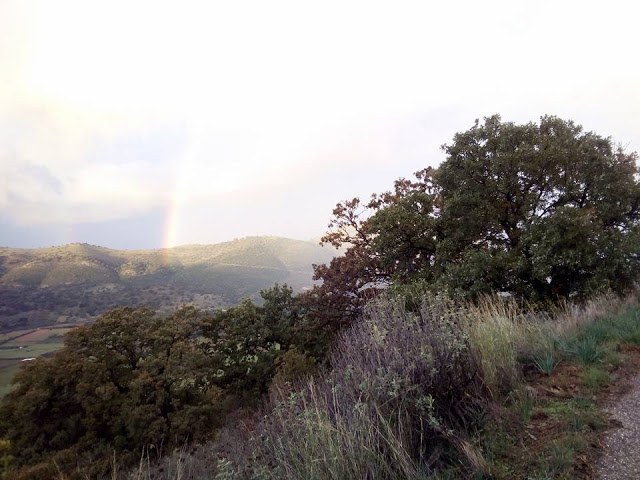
[
  {"x": 397, "y": 401},
  {"x": 404, "y": 391}
]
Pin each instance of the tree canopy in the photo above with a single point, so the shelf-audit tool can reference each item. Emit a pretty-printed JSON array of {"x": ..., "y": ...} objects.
[{"x": 542, "y": 210}]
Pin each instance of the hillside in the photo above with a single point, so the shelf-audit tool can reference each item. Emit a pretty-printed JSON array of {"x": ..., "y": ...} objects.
[{"x": 76, "y": 282}]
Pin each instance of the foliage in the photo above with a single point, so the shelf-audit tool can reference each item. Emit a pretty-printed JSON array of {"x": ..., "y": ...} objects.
[
  {"x": 596, "y": 377},
  {"x": 134, "y": 379},
  {"x": 130, "y": 379},
  {"x": 546, "y": 362},
  {"x": 382, "y": 407},
  {"x": 401, "y": 390},
  {"x": 586, "y": 348},
  {"x": 551, "y": 208},
  {"x": 544, "y": 211},
  {"x": 247, "y": 341}
]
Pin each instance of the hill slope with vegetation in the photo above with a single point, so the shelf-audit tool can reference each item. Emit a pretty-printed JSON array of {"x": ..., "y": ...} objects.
[
  {"x": 467, "y": 330},
  {"x": 79, "y": 281}
]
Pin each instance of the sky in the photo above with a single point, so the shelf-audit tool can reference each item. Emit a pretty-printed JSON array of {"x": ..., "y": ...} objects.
[{"x": 149, "y": 124}]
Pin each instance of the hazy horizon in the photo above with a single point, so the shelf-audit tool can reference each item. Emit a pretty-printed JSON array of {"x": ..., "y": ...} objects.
[
  {"x": 245, "y": 237},
  {"x": 144, "y": 124}
]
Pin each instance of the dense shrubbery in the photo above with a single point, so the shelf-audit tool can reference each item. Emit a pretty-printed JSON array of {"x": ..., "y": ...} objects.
[
  {"x": 402, "y": 390},
  {"x": 422, "y": 394},
  {"x": 130, "y": 379},
  {"x": 134, "y": 379},
  {"x": 400, "y": 393}
]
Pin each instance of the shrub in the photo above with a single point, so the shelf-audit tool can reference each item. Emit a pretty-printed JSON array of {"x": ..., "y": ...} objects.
[
  {"x": 293, "y": 364},
  {"x": 402, "y": 387},
  {"x": 399, "y": 395}
]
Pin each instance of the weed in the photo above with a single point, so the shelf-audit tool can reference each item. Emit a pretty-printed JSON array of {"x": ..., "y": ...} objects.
[
  {"x": 541, "y": 476},
  {"x": 600, "y": 332},
  {"x": 584, "y": 402},
  {"x": 498, "y": 444},
  {"x": 524, "y": 401},
  {"x": 586, "y": 420},
  {"x": 595, "y": 377},
  {"x": 559, "y": 409},
  {"x": 546, "y": 362},
  {"x": 561, "y": 456},
  {"x": 586, "y": 349},
  {"x": 613, "y": 357},
  {"x": 628, "y": 326}
]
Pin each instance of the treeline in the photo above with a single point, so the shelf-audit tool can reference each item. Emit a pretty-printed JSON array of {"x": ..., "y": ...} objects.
[{"x": 542, "y": 212}]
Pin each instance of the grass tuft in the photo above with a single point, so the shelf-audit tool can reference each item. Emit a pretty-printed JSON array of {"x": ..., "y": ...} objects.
[
  {"x": 596, "y": 378},
  {"x": 546, "y": 362},
  {"x": 586, "y": 349}
]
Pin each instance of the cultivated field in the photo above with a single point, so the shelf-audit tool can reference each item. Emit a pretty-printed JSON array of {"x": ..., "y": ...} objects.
[{"x": 21, "y": 344}]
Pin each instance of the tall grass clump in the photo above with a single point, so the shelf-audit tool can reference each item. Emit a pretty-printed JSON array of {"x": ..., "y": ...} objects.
[
  {"x": 546, "y": 362},
  {"x": 589, "y": 333},
  {"x": 502, "y": 333},
  {"x": 586, "y": 348},
  {"x": 507, "y": 336},
  {"x": 596, "y": 316}
]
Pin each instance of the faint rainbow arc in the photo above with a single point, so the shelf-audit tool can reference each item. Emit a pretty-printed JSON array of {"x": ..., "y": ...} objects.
[{"x": 172, "y": 218}]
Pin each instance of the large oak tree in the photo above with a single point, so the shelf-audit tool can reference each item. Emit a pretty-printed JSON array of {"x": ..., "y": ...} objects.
[{"x": 541, "y": 210}]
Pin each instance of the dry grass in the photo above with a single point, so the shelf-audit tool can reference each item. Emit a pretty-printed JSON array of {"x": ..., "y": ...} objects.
[{"x": 504, "y": 334}]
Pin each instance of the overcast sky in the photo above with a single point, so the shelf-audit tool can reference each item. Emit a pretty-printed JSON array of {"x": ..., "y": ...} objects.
[{"x": 134, "y": 124}]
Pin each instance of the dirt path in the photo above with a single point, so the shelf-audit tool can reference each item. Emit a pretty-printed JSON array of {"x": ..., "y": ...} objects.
[{"x": 621, "y": 447}]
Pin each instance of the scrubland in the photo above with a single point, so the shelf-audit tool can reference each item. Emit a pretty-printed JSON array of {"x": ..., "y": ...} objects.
[{"x": 423, "y": 388}]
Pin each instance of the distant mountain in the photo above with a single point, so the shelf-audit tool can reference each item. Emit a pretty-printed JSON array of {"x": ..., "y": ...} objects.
[{"x": 76, "y": 282}]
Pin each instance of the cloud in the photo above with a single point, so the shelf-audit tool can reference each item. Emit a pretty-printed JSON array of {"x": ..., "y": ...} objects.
[
  {"x": 57, "y": 168},
  {"x": 112, "y": 109}
]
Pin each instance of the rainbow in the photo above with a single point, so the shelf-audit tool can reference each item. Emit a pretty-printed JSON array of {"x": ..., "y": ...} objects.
[{"x": 172, "y": 221}]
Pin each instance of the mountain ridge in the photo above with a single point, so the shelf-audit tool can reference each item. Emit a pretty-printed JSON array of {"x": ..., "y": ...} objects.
[{"x": 79, "y": 281}]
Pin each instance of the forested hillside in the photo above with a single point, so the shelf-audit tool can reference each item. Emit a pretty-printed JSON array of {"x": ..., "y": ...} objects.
[{"x": 77, "y": 282}]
